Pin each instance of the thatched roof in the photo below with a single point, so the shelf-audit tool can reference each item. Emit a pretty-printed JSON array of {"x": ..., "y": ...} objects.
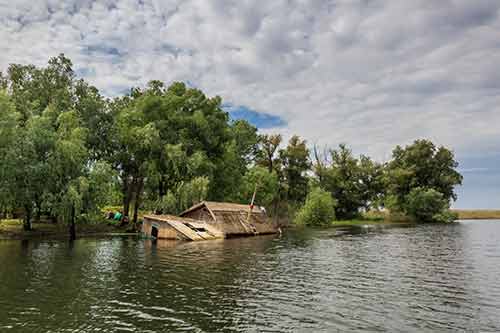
[
  {"x": 163, "y": 218},
  {"x": 215, "y": 207}
]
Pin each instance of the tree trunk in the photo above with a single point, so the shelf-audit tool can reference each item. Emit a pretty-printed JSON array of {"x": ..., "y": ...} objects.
[
  {"x": 27, "y": 219},
  {"x": 161, "y": 186},
  {"x": 140, "y": 185},
  {"x": 38, "y": 211},
  {"x": 72, "y": 227},
  {"x": 127, "y": 193}
]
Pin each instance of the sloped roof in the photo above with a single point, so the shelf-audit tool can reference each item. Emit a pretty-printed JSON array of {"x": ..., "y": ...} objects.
[
  {"x": 163, "y": 218},
  {"x": 223, "y": 207}
]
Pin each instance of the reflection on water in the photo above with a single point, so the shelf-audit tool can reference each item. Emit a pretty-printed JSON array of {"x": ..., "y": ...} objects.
[{"x": 425, "y": 278}]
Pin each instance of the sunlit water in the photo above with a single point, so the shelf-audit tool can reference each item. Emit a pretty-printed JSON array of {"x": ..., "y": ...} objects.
[{"x": 418, "y": 279}]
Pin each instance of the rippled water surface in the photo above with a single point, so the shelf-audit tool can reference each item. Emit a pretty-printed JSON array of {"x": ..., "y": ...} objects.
[{"x": 426, "y": 278}]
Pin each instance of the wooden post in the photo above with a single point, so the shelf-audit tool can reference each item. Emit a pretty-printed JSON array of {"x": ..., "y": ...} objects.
[{"x": 251, "y": 204}]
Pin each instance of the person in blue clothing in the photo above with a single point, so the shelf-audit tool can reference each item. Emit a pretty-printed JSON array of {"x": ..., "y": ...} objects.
[{"x": 118, "y": 216}]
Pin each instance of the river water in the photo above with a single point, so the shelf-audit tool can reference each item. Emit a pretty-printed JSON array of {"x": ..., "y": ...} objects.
[{"x": 428, "y": 278}]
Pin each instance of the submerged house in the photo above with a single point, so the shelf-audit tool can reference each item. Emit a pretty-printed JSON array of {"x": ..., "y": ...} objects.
[{"x": 210, "y": 220}]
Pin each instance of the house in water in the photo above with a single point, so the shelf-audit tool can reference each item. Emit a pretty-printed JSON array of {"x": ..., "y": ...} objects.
[{"x": 210, "y": 220}]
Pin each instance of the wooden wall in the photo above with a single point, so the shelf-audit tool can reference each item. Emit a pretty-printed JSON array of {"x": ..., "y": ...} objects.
[
  {"x": 164, "y": 230},
  {"x": 201, "y": 214}
]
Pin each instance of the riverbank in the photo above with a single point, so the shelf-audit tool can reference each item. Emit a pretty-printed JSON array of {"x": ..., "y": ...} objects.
[
  {"x": 359, "y": 223},
  {"x": 13, "y": 229},
  {"x": 477, "y": 214}
]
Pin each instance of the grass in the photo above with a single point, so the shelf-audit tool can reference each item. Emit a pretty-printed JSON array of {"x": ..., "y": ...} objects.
[
  {"x": 368, "y": 221},
  {"x": 477, "y": 214},
  {"x": 13, "y": 229}
]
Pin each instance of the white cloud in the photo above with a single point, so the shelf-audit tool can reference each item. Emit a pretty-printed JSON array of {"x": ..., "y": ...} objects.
[{"x": 369, "y": 73}]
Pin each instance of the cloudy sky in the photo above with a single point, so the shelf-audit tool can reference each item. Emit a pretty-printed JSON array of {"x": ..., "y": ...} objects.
[{"x": 369, "y": 73}]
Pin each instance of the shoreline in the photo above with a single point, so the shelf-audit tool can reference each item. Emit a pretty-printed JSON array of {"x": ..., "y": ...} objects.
[
  {"x": 45, "y": 231},
  {"x": 477, "y": 214},
  {"x": 13, "y": 230}
]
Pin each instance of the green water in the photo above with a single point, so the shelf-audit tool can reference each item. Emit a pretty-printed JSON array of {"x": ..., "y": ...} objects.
[{"x": 417, "y": 279}]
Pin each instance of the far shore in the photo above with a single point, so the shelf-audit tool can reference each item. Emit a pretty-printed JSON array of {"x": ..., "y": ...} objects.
[{"x": 477, "y": 214}]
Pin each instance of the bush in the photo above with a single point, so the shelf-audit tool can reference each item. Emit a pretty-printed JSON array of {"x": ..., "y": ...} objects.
[
  {"x": 446, "y": 216},
  {"x": 318, "y": 210},
  {"x": 427, "y": 205}
]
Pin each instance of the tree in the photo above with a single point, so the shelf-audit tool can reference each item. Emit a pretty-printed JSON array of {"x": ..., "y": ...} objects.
[
  {"x": 265, "y": 183},
  {"x": 51, "y": 147},
  {"x": 183, "y": 196},
  {"x": 32, "y": 179},
  {"x": 33, "y": 89},
  {"x": 295, "y": 159},
  {"x": 245, "y": 136},
  {"x": 239, "y": 154},
  {"x": 267, "y": 149},
  {"x": 136, "y": 138},
  {"x": 9, "y": 139},
  {"x": 318, "y": 209},
  {"x": 425, "y": 167},
  {"x": 67, "y": 162},
  {"x": 166, "y": 137},
  {"x": 96, "y": 116},
  {"x": 354, "y": 182}
]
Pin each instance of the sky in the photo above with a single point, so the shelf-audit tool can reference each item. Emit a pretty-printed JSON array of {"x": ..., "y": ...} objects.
[{"x": 372, "y": 74}]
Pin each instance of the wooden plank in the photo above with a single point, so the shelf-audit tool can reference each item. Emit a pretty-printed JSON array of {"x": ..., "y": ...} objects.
[
  {"x": 185, "y": 230},
  {"x": 184, "y": 227},
  {"x": 205, "y": 235},
  {"x": 213, "y": 231}
]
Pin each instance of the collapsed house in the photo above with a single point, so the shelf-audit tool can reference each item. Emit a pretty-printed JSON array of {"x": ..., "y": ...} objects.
[{"x": 210, "y": 220}]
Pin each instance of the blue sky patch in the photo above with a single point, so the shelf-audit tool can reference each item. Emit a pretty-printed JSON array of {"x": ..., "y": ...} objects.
[{"x": 258, "y": 119}]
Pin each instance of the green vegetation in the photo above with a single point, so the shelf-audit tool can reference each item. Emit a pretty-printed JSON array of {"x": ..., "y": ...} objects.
[
  {"x": 417, "y": 184},
  {"x": 318, "y": 210},
  {"x": 356, "y": 183},
  {"x": 420, "y": 181},
  {"x": 67, "y": 153},
  {"x": 478, "y": 214}
]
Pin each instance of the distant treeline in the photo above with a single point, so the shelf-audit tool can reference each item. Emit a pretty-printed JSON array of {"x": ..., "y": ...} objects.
[{"x": 66, "y": 151}]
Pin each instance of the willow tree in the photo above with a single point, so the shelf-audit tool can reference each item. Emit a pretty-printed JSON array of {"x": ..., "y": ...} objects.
[{"x": 9, "y": 138}]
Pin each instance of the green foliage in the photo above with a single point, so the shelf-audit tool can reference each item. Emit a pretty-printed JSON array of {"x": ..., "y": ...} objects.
[
  {"x": 445, "y": 216},
  {"x": 9, "y": 137},
  {"x": 422, "y": 177},
  {"x": 318, "y": 209},
  {"x": 66, "y": 152},
  {"x": 264, "y": 182},
  {"x": 184, "y": 196},
  {"x": 192, "y": 192},
  {"x": 246, "y": 139},
  {"x": 427, "y": 205},
  {"x": 354, "y": 182},
  {"x": 295, "y": 161},
  {"x": 266, "y": 152},
  {"x": 422, "y": 164}
]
